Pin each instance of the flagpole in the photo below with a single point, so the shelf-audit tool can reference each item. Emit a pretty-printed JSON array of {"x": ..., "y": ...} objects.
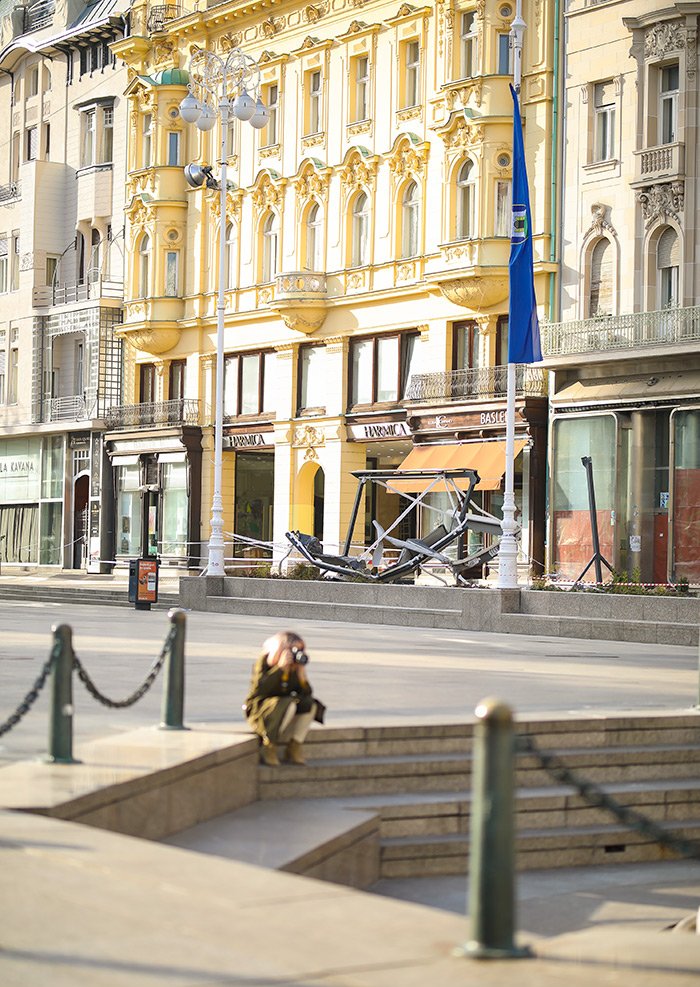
[{"x": 508, "y": 550}]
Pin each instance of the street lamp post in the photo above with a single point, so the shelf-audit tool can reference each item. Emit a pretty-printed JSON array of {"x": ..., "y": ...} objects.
[{"x": 229, "y": 89}]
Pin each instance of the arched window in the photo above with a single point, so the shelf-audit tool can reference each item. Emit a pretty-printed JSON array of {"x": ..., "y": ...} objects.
[
  {"x": 668, "y": 265},
  {"x": 144, "y": 260},
  {"x": 314, "y": 238},
  {"x": 465, "y": 202},
  {"x": 230, "y": 246},
  {"x": 360, "y": 230},
  {"x": 269, "y": 248},
  {"x": 410, "y": 204},
  {"x": 600, "y": 297}
]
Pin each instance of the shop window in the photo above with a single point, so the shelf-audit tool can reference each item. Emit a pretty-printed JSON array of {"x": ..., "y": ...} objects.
[
  {"x": 601, "y": 287},
  {"x": 129, "y": 510},
  {"x": 467, "y": 45},
  {"x": 312, "y": 378},
  {"x": 410, "y": 57},
  {"x": 248, "y": 380},
  {"x": 668, "y": 265},
  {"x": 381, "y": 368},
  {"x": 269, "y": 248},
  {"x": 466, "y": 349},
  {"x": 174, "y": 513},
  {"x": 410, "y": 209},
  {"x": 465, "y": 201},
  {"x": 604, "y": 109},
  {"x": 147, "y": 383},
  {"x": 254, "y": 498},
  {"x": 314, "y": 238},
  {"x": 176, "y": 380},
  {"x": 503, "y": 208},
  {"x": 271, "y": 99},
  {"x": 504, "y": 61},
  {"x": 360, "y": 230},
  {"x": 686, "y": 485},
  {"x": 668, "y": 103}
]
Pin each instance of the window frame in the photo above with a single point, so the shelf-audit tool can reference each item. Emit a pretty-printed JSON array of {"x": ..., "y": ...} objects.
[
  {"x": 411, "y": 73},
  {"x": 470, "y": 329},
  {"x": 270, "y": 233},
  {"x": 270, "y": 133},
  {"x": 303, "y": 407},
  {"x": 31, "y": 147},
  {"x": 468, "y": 43},
  {"x": 144, "y": 267},
  {"x": 262, "y": 357},
  {"x": 402, "y": 336},
  {"x": 13, "y": 376},
  {"x": 503, "y": 46},
  {"x": 503, "y": 207},
  {"x": 147, "y": 130},
  {"x": 176, "y": 372},
  {"x": 361, "y": 88},
  {"x": 174, "y": 253},
  {"x": 360, "y": 230},
  {"x": 603, "y": 125},
  {"x": 410, "y": 221},
  {"x": 315, "y": 104},
  {"x": 465, "y": 188},
  {"x": 668, "y": 98},
  {"x": 313, "y": 260},
  {"x": 147, "y": 383}
]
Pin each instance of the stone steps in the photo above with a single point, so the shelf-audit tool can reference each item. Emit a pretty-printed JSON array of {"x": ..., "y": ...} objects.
[{"x": 45, "y": 593}]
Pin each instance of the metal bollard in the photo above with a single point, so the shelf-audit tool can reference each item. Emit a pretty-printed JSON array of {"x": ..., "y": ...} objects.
[
  {"x": 174, "y": 687},
  {"x": 61, "y": 701},
  {"x": 492, "y": 843}
]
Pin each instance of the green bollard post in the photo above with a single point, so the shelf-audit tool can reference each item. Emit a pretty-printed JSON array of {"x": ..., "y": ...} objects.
[
  {"x": 492, "y": 842},
  {"x": 61, "y": 701},
  {"x": 174, "y": 687}
]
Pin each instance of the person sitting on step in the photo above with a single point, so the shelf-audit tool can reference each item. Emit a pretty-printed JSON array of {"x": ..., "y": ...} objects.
[{"x": 279, "y": 705}]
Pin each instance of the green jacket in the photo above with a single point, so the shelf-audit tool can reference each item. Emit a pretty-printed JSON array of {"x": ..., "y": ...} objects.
[{"x": 270, "y": 695}]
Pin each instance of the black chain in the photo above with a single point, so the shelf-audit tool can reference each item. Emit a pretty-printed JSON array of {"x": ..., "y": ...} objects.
[
  {"x": 135, "y": 696},
  {"x": 594, "y": 795},
  {"x": 33, "y": 693}
]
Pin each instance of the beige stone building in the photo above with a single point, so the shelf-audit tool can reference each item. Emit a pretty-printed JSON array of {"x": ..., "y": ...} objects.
[
  {"x": 367, "y": 244},
  {"x": 627, "y": 380},
  {"x": 61, "y": 273}
]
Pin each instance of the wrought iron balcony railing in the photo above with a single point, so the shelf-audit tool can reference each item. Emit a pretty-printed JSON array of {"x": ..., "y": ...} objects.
[
  {"x": 70, "y": 408},
  {"x": 13, "y": 190},
  {"x": 484, "y": 383},
  {"x": 77, "y": 291},
  {"x": 159, "y": 16},
  {"x": 611, "y": 332},
  {"x": 181, "y": 412}
]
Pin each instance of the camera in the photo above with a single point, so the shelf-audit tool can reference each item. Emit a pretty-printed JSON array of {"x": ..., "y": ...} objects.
[{"x": 300, "y": 657}]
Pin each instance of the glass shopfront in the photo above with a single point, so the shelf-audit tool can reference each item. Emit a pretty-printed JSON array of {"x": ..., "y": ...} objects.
[
  {"x": 255, "y": 473},
  {"x": 31, "y": 499},
  {"x": 686, "y": 494},
  {"x": 129, "y": 508},
  {"x": 174, "y": 520}
]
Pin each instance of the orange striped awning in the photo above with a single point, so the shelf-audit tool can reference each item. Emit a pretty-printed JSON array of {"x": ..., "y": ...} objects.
[{"x": 487, "y": 458}]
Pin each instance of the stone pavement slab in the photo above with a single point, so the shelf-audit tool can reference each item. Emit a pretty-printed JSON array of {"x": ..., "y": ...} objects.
[{"x": 80, "y": 906}]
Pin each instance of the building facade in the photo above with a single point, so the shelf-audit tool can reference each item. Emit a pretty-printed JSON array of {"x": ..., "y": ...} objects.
[
  {"x": 367, "y": 241},
  {"x": 61, "y": 276},
  {"x": 625, "y": 357}
]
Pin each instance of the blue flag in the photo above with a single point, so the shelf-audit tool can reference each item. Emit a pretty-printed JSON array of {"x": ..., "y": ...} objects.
[{"x": 523, "y": 326}]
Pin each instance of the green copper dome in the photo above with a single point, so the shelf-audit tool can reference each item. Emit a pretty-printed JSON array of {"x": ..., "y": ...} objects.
[{"x": 171, "y": 77}]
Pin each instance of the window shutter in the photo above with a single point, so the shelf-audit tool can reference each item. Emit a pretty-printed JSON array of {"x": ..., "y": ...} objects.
[{"x": 668, "y": 250}]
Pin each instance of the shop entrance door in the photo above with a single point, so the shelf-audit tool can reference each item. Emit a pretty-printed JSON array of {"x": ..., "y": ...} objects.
[
  {"x": 254, "y": 498},
  {"x": 152, "y": 525},
  {"x": 81, "y": 493}
]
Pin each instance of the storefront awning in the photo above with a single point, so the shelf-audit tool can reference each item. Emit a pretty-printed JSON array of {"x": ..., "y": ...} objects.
[{"x": 487, "y": 458}]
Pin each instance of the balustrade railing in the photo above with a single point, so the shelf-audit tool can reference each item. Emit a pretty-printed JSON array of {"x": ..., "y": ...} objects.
[
  {"x": 72, "y": 407},
  {"x": 77, "y": 291},
  {"x": 664, "y": 161},
  {"x": 484, "y": 383},
  {"x": 609, "y": 332},
  {"x": 159, "y": 16},
  {"x": 299, "y": 284},
  {"x": 184, "y": 411},
  {"x": 13, "y": 190}
]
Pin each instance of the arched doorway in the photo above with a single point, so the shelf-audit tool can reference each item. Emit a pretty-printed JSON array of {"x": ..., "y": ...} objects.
[
  {"x": 81, "y": 496},
  {"x": 319, "y": 490},
  {"x": 309, "y": 500}
]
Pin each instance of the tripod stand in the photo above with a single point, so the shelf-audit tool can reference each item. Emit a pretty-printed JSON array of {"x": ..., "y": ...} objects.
[{"x": 598, "y": 558}]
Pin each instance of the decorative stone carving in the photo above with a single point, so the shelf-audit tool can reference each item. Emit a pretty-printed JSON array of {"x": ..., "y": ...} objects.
[
  {"x": 459, "y": 96},
  {"x": 311, "y": 183},
  {"x": 598, "y": 221},
  {"x": 405, "y": 272},
  {"x": 358, "y": 172},
  {"x": 229, "y": 41},
  {"x": 165, "y": 55},
  {"x": 408, "y": 159},
  {"x": 233, "y": 206},
  {"x": 271, "y": 151},
  {"x": 26, "y": 262},
  {"x": 270, "y": 27},
  {"x": 462, "y": 134},
  {"x": 313, "y": 140},
  {"x": 662, "y": 38},
  {"x": 315, "y": 13},
  {"x": 355, "y": 129},
  {"x": 150, "y": 339},
  {"x": 412, "y": 113},
  {"x": 465, "y": 251},
  {"x": 355, "y": 27},
  {"x": 268, "y": 194},
  {"x": 311, "y": 437},
  {"x": 477, "y": 292},
  {"x": 659, "y": 202}
]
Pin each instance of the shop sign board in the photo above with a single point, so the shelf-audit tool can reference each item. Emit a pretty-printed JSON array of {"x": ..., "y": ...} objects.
[
  {"x": 452, "y": 422},
  {"x": 247, "y": 440},
  {"x": 375, "y": 431},
  {"x": 20, "y": 478}
]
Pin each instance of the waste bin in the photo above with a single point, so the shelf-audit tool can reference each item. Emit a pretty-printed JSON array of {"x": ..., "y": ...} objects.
[{"x": 143, "y": 582}]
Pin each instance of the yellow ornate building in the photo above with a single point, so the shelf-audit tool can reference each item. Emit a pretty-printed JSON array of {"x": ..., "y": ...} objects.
[{"x": 367, "y": 243}]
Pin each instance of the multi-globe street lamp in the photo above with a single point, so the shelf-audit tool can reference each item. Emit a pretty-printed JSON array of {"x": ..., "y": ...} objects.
[{"x": 228, "y": 89}]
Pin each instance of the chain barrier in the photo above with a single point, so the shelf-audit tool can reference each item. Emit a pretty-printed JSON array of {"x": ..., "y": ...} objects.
[
  {"x": 135, "y": 696},
  {"x": 595, "y": 796},
  {"x": 32, "y": 695}
]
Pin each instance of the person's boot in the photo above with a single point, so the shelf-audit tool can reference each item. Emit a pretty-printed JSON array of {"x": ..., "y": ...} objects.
[
  {"x": 268, "y": 753},
  {"x": 293, "y": 754}
]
